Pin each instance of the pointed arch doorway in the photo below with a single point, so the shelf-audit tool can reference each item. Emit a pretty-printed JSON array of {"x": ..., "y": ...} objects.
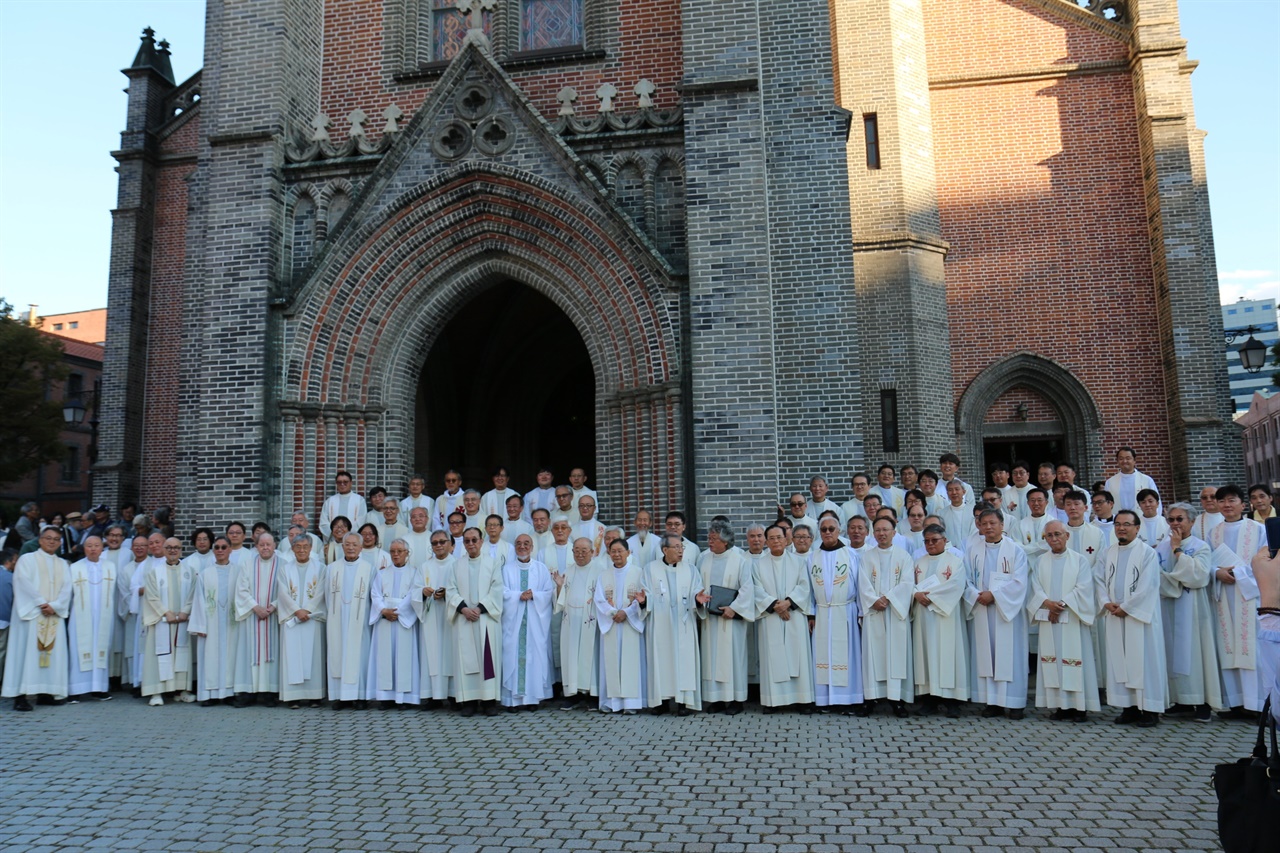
[{"x": 508, "y": 381}]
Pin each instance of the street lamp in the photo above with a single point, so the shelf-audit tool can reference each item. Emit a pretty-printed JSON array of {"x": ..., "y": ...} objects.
[
  {"x": 1253, "y": 353},
  {"x": 73, "y": 412}
]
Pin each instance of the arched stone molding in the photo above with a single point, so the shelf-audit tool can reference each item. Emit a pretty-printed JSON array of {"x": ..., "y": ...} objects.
[
  {"x": 357, "y": 334},
  {"x": 336, "y": 187},
  {"x": 1081, "y": 421},
  {"x": 293, "y": 261}
]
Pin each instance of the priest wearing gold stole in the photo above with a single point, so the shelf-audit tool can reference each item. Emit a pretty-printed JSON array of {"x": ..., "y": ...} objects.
[
  {"x": 166, "y": 608},
  {"x": 997, "y": 597},
  {"x": 1062, "y": 607},
  {"x": 393, "y": 648},
  {"x": 886, "y": 583},
  {"x": 939, "y": 640},
  {"x": 620, "y": 601},
  {"x": 300, "y": 589},
  {"x": 724, "y": 633},
  {"x": 38, "y": 659},
  {"x": 837, "y": 637},
  {"x": 473, "y": 599},
  {"x": 576, "y": 610},
  {"x": 216, "y": 629},
  {"x": 435, "y": 637},
  {"x": 1128, "y": 585},
  {"x": 260, "y": 627},
  {"x": 1195, "y": 684},
  {"x": 347, "y": 624},
  {"x": 784, "y": 600},
  {"x": 1235, "y": 542},
  {"x": 92, "y": 621}
]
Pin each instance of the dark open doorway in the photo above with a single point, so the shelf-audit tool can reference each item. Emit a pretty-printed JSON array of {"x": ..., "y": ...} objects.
[
  {"x": 1033, "y": 449},
  {"x": 507, "y": 382}
]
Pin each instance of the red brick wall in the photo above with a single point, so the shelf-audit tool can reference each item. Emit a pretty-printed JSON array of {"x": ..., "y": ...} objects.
[
  {"x": 1041, "y": 198},
  {"x": 648, "y": 46},
  {"x": 164, "y": 346}
]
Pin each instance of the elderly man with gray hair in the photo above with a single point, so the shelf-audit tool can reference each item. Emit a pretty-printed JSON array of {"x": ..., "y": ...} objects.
[
  {"x": 728, "y": 606},
  {"x": 1195, "y": 681}
]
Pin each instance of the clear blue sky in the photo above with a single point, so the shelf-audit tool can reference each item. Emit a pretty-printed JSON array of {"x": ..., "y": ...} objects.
[{"x": 61, "y": 111}]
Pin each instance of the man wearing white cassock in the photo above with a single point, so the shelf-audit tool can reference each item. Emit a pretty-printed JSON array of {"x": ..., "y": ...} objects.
[
  {"x": 347, "y": 634},
  {"x": 576, "y": 611},
  {"x": 392, "y": 526},
  {"x": 643, "y": 544},
  {"x": 673, "y": 590},
  {"x": 833, "y": 569},
  {"x": 957, "y": 515},
  {"x": 1195, "y": 685},
  {"x": 1089, "y": 541},
  {"x": 1125, "y": 484},
  {"x": 675, "y": 523},
  {"x": 587, "y": 527},
  {"x": 783, "y": 603},
  {"x": 38, "y": 658},
  {"x": 557, "y": 556},
  {"x": 494, "y": 501},
  {"x": 542, "y": 537},
  {"x": 344, "y": 503},
  {"x": 1209, "y": 516},
  {"x": 620, "y": 601},
  {"x": 514, "y": 524},
  {"x": 1128, "y": 585},
  {"x": 449, "y": 500},
  {"x": 416, "y": 499},
  {"x": 939, "y": 639},
  {"x": 578, "y": 483},
  {"x": 528, "y": 594},
  {"x": 473, "y": 517},
  {"x": 1062, "y": 607},
  {"x": 724, "y": 633},
  {"x": 497, "y": 549},
  {"x": 260, "y": 627},
  {"x": 1235, "y": 542},
  {"x": 818, "y": 500},
  {"x": 371, "y": 550},
  {"x": 541, "y": 497},
  {"x": 166, "y": 608},
  {"x": 129, "y": 589},
  {"x": 435, "y": 637},
  {"x": 300, "y": 589},
  {"x": 92, "y": 621},
  {"x": 216, "y": 629},
  {"x": 419, "y": 537},
  {"x": 393, "y": 646},
  {"x": 997, "y": 596},
  {"x": 119, "y": 557},
  {"x": 1031, "y": 528},
  {"x": 474, "y": 601},
  {"x": 886, "y": 583},
  {"x": 1155, "y": 530}
]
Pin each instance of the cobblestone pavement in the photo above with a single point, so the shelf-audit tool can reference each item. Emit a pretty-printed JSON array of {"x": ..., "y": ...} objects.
[{"x": 122, "y": 776}]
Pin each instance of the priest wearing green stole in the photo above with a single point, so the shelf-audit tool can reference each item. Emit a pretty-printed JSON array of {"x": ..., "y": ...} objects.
[{"x": 37, "y": 661}]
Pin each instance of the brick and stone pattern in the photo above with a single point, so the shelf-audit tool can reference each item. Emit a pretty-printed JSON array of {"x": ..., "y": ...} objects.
[{"x": 543, "y": 781}]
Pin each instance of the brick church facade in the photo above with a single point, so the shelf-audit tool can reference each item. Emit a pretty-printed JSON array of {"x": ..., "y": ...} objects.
[{"x": 704, "y": 251}]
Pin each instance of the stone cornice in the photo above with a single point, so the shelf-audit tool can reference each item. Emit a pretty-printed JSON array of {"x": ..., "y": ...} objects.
[{"x": 1036, "y": 72}]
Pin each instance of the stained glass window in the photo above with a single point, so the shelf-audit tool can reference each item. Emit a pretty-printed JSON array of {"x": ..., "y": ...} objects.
[
  {"x": 546, "y": 24},
  {"x": 449, "y": 28}
]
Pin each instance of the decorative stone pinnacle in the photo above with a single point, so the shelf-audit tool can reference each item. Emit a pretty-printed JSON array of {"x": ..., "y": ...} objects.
[
  {"x": 644, "y": 91},
  {"x": 392, "y": 114},
  {"x": 148, "y": 34},
  {"x": 566, "y": 97},
  {"x": 606, "y": 93},
  {"x": 357, "y": 118},
  {"x": 320, "y": 128}
]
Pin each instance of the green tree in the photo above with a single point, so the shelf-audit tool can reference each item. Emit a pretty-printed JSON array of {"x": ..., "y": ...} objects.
[{"x": 30, "y": 423}]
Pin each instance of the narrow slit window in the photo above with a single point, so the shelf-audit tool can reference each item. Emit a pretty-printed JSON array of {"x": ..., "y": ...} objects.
[
  {"x": 871, "y": 130},
  {"x": 889, "y": 419}
]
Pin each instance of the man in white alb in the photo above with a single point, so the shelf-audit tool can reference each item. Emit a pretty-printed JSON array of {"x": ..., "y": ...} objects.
[
  {"x": 91, "y": 622},
  {"x": 38, "y": 659},
  {"x": 1128, "y": 586},
  {"x": 166, "y": 608},
  {"x": 528, "y": 594},
  {"x": 473, "y": 599},
  {"x": 347, "y": 630},
  {"x": 886, "y": 584},
  {"x": 344, "y": 503},
  {"x": 1062, "y": 606},
  {"x": 393, "y": 646},
  {"x": 997, "y": 596}
]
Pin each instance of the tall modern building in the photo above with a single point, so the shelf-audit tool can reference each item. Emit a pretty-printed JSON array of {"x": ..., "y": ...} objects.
[
  {"x": 703, "y": 250},
  {"x": 1238, "y": 317}
]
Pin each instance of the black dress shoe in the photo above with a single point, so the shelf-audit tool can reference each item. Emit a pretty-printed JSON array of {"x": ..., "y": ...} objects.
[
  {"x": 491, "y": 709},
  {"x": 900, "y": 710},
  {"x": 469, "y": 709},
  {"x": 862, "y": 709},
  {"x": 953, "y": 710},
  {"x": 209, "y": 703},
  {"x": 1148, "y": 720},
  {"x": 1079, "y": 717},
  {"x": 338, "y": 706},
  {"x": 21, "y": 704},
  {"x": 1129, "y": 715},
  {"x": 1016, "y": 713},
  {"x": 361, "y": 704},
  {"x": 993, "y": 711},
  {"x": 269, "y": 700},
  {"x": 1062, "y": 715}
]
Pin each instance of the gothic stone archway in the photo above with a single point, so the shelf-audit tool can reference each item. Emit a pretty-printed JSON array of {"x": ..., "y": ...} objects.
[
  {"x": 361, "y": 329},
  {"x": 1078, "y": 421}
]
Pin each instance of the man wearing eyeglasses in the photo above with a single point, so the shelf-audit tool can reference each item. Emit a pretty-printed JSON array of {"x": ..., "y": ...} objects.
[
  {"x": 216, "y": 629},
  {"x": 1194, "y": 680},
  {"x": 798, "y": 508},
  {"x": 1128, "y": 585},
  {"x": 474, "y": 601}
]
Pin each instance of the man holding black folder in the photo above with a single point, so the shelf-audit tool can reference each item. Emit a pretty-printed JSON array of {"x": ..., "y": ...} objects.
[{"x": 726, "y": 577}]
